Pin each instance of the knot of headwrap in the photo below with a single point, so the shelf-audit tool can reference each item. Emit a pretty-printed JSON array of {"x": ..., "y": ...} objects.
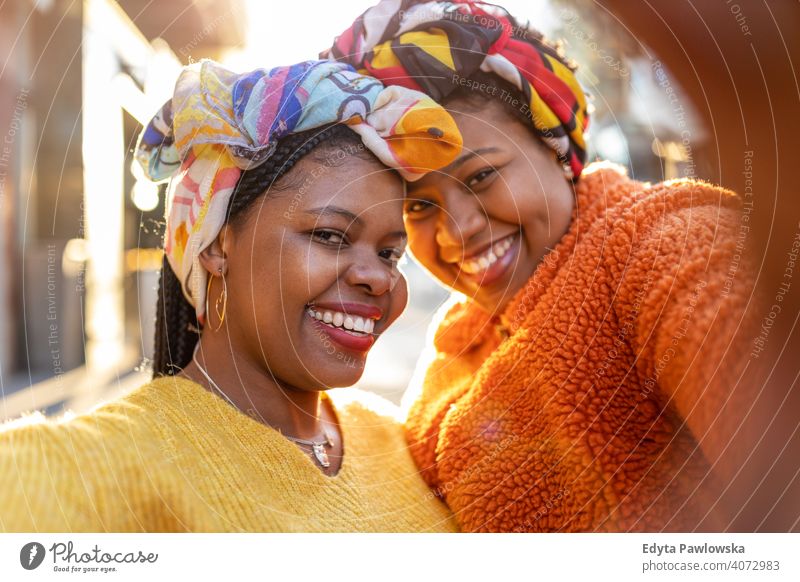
[
  {"x": 435, "y": 47},
  {"x": 219, "y": 123}
]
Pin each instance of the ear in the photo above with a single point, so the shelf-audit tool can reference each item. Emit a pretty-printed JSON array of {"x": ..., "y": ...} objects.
[{"x": 214, "y": 257}]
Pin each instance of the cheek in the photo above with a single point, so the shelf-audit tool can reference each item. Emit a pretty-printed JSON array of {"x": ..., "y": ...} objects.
[
  {"x": 543, "y": 215},
  {"x": 250, "y": 293},
  {"x": 281, "y": 275},
  {"x": 306, "y": 270},
  {"x": 516, "y": 200},
  {"x": 546, "y": 215},
  {"x": 399, "y": 298},
  {"x": 422, "y": 241},
  {"x": 542, "y": 193}
]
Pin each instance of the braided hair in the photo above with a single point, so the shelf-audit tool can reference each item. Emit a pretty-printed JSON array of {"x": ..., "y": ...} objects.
[{"x": 177, "y": 328}]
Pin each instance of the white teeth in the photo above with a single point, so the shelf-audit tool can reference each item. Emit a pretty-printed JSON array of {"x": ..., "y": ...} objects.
[
  {"x": 499, "y": 250},
  {"x": 471, "y": 267},
  {"x": 489, "y": 257},
  {"x": 351, "y": 323}
]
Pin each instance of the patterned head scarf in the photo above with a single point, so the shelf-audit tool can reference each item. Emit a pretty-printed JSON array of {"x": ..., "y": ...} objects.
[
  {"x": 219, "y": 123},
  {"x": 435, "y": 47}
]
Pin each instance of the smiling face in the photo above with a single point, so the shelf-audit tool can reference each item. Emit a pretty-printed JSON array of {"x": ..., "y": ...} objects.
[
  {"x": 483, "y": 224},
  {"x": 311, "y": 271}
]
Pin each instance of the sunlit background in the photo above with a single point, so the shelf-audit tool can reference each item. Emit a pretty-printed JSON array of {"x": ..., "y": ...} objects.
[{"x": 81, "y": 229}]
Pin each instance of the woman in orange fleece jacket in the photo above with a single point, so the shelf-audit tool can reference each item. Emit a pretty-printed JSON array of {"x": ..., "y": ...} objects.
[{"x": 579, "y": 384}]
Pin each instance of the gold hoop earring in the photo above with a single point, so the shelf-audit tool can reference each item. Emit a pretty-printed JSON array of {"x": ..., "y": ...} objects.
[{"x": 223, "y": 297}]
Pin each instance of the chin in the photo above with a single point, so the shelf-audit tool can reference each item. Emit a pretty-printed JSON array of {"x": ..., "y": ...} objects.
[
  {"x": 334, "y": 370},
  {"x": 345, "y": 375}
]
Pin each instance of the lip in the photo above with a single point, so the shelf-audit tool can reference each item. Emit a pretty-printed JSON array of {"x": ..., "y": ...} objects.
[
  {"x": 344, "y": 339},
  {"x": 497, "y": 270},
  {"x": 359, "y": 309}
]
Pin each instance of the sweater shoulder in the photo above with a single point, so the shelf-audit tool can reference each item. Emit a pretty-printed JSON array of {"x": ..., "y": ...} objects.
[
  {"x": 602, "y": 186},
  {"x": 602, "y": 175},
  {"x": 687, "y": 193},
  {"x": 605, "y": 189},
  {"x": 694, "y": 204}
]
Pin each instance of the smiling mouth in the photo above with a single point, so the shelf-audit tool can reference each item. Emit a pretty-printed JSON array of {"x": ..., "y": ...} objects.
[
  {"x": 353, "y": 325},
  {"x": 477, "y": 265}
]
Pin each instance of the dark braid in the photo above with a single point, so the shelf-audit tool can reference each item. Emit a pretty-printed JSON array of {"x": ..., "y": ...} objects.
[
  {"x": 174, "y": 316},
  {"x": 177, "y": 328}
]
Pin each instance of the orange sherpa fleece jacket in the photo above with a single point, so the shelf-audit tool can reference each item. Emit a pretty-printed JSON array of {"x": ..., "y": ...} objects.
[{"x": 592, "y": 402}]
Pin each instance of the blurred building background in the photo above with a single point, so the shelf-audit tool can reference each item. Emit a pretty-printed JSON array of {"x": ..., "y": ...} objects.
[{"x": 80, "y": 232}]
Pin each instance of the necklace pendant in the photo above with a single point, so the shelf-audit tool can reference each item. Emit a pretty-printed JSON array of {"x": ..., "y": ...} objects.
[{"x": 321, "y": 455}]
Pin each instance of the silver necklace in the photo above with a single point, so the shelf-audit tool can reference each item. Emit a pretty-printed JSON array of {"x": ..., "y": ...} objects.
[{"x": 317, "y": 447}]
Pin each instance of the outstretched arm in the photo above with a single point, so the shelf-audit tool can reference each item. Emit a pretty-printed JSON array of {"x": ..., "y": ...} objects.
[
  {"x": 41, "y": 481},
  {"x": 686, "y": 285}
]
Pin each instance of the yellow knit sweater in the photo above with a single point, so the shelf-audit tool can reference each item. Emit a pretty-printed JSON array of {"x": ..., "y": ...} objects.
[{"x": 172, "y": 456}]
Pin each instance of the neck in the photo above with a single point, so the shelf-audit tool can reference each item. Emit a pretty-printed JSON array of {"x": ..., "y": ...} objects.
[{"x": 253, "y": 389}]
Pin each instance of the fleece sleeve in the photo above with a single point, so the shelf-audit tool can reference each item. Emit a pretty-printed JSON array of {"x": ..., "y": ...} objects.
[{"x": 685, "y": 284}]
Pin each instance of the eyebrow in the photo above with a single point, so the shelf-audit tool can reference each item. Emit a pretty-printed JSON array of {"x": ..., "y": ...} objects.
[
  {"x": 335, "y": 211},
  {"x": 338, "y": 211},
  {"x": 469, "y": 155}
]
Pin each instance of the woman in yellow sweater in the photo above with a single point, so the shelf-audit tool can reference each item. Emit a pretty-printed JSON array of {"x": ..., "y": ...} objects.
[{"x": 283, "y": 236}]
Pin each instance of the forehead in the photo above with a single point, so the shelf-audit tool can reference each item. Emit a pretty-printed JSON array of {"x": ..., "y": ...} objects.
[
  {"x": 360, "y": 184},
  {"x": 480, "y": 118}
]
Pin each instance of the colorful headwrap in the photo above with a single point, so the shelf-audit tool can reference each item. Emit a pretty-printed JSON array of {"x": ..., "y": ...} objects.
[
  {"x": 436, "y": 46},
  {"x": 219, "y": 123}
]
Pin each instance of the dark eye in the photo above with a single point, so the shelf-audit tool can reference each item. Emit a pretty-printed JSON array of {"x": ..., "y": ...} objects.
[
  {"x": 329, "y": 237},
  {"x": 417, "y": 206},
  {"x": 393, "y": 255},
  {"x": 480, "y": 177}
]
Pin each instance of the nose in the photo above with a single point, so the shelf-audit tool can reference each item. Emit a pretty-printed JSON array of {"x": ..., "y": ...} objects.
[
  {"x": 463, "y": 218},
  {"x": 371, "y": 274}
]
